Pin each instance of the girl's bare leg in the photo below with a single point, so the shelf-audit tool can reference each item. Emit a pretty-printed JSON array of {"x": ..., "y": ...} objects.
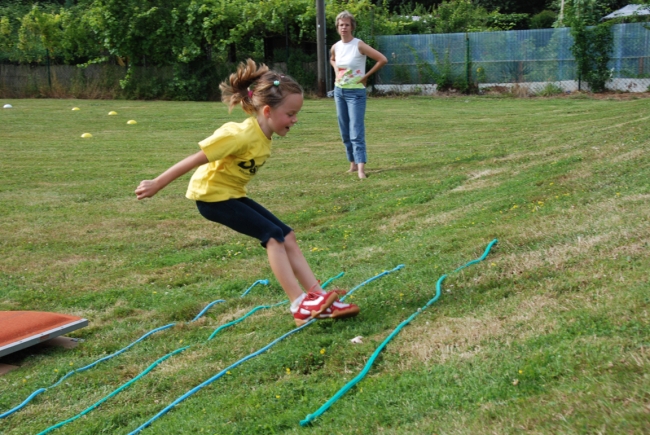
[
  {"x": 282, "y": 268},
  {"x": 299, "y": 265},
  {"x": 353, "y": 167}
]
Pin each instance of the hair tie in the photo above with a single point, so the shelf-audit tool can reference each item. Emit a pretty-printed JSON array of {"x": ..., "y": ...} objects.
[
  {"x": 250, "y": 94},
  {"x": 276, "y": 83}
]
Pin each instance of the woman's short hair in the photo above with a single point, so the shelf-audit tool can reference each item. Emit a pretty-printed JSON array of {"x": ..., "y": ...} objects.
[{"x": 346, "y": 15}]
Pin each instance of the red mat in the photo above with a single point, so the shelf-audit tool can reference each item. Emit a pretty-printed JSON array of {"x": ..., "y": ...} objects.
[{"x": 21, "y": 329}]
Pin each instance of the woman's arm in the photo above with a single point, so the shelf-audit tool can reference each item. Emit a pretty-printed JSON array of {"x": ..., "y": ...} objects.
[
  {"x": 149, "y": 188},
  {"x": 380, "y": 59}
]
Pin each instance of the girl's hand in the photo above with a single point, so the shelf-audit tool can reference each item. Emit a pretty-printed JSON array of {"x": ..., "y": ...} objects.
[{"x": 147, "y": 189}]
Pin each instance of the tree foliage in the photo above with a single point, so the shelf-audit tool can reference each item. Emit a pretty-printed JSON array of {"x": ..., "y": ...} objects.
[
  {"x": 194, "y": 38},
  {"x": 592, "y": 45},
  {"x": 172, "y": 32}
]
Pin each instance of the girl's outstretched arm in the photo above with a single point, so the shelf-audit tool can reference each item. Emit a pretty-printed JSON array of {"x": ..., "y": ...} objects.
[{"x": 149, "y": 188}]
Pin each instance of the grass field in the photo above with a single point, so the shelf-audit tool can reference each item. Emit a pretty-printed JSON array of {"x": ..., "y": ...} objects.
[{"x": 548, "y": 335}]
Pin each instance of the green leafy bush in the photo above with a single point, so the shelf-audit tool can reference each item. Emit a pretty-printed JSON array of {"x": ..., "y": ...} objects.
[{"x": 550, "y": 90}]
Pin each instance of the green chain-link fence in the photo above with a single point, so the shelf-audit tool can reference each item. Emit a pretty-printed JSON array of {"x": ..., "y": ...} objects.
[{"x": 533, "y": 59}]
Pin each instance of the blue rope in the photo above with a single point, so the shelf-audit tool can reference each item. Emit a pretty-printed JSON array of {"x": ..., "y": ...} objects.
[
  {"x": 89, "y": 366},
  {"x": 311, "y": 417},
  {"x": 214, "y": 378},
  {"x": 152, "y": 366},
  {"x": 114, "y": 393},
  {"x": 246, "y": 358},
  {"x": 259, "y": 281},
  {"x": 386, "y": 272},
  {"x": 207, "y": 307},
  {"x": 329, "y": 281},
  {"x": 234, "y": 322}
]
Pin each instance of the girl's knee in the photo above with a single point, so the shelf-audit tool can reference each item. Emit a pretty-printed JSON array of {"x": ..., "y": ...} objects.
[
  {"x": 291, "y": 237},
  {"x": 273, "y": 238},
  {"x": 290, "y": 241}
]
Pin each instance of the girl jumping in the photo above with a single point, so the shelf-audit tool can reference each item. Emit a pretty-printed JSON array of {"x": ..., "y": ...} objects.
[{"x": 229, "y": 159}]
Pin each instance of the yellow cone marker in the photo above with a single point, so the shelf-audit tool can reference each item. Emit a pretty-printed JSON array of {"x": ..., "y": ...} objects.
[
  {"x": 131, "y": 121},
  {"x": 112, "y": 112},
  {"x": 76, "y": 108},
  {"x": 86, "y": 135}
]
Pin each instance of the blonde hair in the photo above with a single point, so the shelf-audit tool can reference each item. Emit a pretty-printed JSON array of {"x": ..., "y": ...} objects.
[
  {"x": 346, "y": 15},
  {"x": 255, "y": 86}
]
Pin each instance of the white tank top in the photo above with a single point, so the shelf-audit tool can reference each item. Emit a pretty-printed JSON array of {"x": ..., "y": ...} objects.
[{"x": 350, "y": 65}]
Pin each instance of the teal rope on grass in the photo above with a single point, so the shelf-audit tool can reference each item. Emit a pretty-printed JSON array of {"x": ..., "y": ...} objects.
[
  {"x": 385, "y": 272},
  {"x": 261, "y": 307},
  {"x": 89, "y": 366},
  {"x": 234, "y": 322},
  {"x": 259, "y": 281},
  {"x": 207, "y": 307},
  {"x": 311, "y": 417},
  {"x": 246, "y": 358},
  {"x": 329, "y": 281},
  {"x": 160, "y": 360},
  {"x": 114, "y": 393},
  {"x": 151, "y": 367}
]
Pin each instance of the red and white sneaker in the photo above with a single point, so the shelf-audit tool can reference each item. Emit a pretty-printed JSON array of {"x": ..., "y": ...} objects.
[
  {"x": 339, "y": 310},
  {"x": 311, "y": 305},
  {"x": 338, "y": 291}
]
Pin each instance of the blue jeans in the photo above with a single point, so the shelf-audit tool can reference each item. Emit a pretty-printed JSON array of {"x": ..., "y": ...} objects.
[{"x": 351, "y": 110}]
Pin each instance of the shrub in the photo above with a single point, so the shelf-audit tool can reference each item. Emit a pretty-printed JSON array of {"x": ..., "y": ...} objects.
[
  {"x": 549, "y": 90},
  {"x": 543, "y": 20}
]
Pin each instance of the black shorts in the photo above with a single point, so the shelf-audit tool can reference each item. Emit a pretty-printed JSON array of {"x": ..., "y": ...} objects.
[{"x": 247, "y": 217}]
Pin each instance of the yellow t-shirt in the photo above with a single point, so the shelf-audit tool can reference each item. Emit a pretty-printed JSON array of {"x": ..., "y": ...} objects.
[{"x": 235, "y": 152}]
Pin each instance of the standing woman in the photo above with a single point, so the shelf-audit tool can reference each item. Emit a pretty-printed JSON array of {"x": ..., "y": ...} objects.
[{"x": 348, "y": 58}]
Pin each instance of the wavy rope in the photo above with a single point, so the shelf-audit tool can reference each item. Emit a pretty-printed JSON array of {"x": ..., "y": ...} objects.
[
  {"x": 234, "y": 322},
  {"x": 329, "y": 281},
  {"x": 207, "y": 307},
  {"x": 311, "y": 417},
  {"x": 114, "y": 393},
  {"x": 160, "y": 360},
  {"x": 259, "y": 281},
  {"x": 246, "y": 358},
  {"x": 89, "y": 366},
  {"x": 385, "y": 272}
]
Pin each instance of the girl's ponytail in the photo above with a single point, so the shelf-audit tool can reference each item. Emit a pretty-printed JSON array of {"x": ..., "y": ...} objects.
[{"x": 254, "y": 87}]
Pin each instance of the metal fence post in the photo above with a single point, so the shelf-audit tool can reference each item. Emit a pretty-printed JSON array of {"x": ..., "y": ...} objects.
[
  {"x": 468, "y": 61},
  {"x": 49, "y": 75}
]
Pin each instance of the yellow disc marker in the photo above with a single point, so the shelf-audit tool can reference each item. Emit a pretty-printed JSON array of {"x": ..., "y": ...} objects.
[
  {"x": 76, "y": 108},
  {"x": 131, "y": 121},
  {"x": 112, "y": 112},
  {"x": 86, "y": 135}
]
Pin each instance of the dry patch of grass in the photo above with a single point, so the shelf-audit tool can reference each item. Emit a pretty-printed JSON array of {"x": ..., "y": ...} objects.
[{"x": 442, "y": 339}]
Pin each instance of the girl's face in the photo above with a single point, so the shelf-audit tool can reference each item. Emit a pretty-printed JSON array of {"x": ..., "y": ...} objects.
[
  {"x": 344, "y": 27},
  {"x": 280, "y": 119}
]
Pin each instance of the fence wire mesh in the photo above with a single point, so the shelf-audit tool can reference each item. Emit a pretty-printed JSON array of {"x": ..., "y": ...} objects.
[{"x": 532, "y": 59}]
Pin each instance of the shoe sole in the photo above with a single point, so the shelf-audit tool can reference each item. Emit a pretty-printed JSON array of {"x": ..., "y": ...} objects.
[
  {"x": 300, "y": 322},
  {"x": 341, "y": 314},
  {"x": 333, "y": 297}
]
